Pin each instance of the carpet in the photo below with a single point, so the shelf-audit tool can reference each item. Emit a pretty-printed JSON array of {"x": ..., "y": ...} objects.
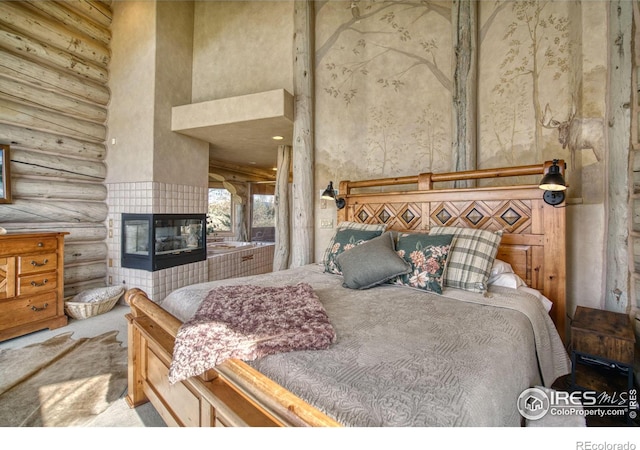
[{"x": 61, "y": 382}]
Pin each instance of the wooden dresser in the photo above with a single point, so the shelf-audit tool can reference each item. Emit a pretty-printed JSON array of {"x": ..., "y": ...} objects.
[{"x": 31, "y": 283}]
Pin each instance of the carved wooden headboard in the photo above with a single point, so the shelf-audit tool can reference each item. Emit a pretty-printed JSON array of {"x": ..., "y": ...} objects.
[{"x": 534, "y": 232}]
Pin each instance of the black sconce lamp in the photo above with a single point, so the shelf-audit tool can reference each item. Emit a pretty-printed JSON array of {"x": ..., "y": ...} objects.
[
  {"x": 330, "y": 194},
  {"x": 553, "y": 184}
]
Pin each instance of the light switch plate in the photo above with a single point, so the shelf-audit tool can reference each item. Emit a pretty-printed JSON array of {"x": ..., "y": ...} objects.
[{"x": 326, "y": 223}]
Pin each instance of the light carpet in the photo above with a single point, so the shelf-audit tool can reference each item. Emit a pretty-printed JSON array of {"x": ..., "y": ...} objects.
[{"x": 62, "y": 381}]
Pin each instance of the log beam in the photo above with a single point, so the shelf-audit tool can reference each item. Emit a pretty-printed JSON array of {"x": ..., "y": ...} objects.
[
  {"x": 12, "y": 66},
  {"x": 16, "y": 91},
  {"x": 282, "y": 249},
  {"x": 47, "y": 188},
  {"x": 303, "y": 135},
  {"x": 13, "y": 113},
  {"x": 26, "y": 162},
  {"x": 617, "y": 283},
  {"x": 21, "y": 138},
  {"x": 464, "y": 24},
  {"x": 53, "y": 34},
  {"x": 71, "y": 19},
  {"x": 33, "y": 211}
]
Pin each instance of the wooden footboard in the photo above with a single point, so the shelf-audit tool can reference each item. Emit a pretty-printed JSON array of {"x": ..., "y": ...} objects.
[{"x": 234, "y": 394}]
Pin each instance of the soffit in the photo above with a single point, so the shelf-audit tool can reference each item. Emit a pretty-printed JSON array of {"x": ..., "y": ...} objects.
[{"x": 240, "y": 129}]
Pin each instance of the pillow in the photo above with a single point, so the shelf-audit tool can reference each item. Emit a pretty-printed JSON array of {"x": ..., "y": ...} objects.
[
  {"x": 510, "y": 280},
  {"x": 472, "y": 255},
  {"x": 499, "y": 267},
  {"x": 513, "y": 281},
  {"x": 371, "y": 263},
  {"x": 348, "y": 235},
  {"x": 98, "y": 294},
  {"x": 427, "y": 256}
]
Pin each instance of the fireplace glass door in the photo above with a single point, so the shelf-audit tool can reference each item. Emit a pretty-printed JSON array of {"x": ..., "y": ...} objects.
[{"x": 159, "y": 241}]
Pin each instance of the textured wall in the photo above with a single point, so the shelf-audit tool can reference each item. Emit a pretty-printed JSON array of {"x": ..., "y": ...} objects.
[
  {"x": 242, "y": 47},
  {"x": 132, "y": 84},
  {"x": 151, "y": 73}
]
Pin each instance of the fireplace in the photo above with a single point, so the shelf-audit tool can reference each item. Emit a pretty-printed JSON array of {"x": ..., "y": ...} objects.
[{"x": 159, "y": 241}]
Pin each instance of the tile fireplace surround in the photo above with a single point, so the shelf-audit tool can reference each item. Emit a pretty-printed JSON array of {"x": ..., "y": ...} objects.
[{"x": 152, "y": 198}]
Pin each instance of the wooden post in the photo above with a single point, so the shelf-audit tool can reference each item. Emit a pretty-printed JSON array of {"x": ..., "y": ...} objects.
[
  {"x": 463, "y": 22},
  {"x": 281, "y": 252},
  {"x": 616, "y": 294},
  {"x": 303, "y": 135}
]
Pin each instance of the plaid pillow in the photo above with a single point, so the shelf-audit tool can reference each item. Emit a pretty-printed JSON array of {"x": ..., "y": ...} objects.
[
  {"x": 471, "y": 258},
  {"x": 330, "y": 254}
]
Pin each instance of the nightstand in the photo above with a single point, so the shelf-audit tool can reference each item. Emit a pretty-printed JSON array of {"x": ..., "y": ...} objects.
[{"x": 602, "y": 351}]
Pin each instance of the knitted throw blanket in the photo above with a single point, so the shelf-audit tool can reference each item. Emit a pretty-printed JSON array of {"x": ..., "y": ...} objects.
[{"x": 248, "y": 322}]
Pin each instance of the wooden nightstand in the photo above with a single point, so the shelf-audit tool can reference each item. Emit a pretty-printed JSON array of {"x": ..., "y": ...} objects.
[{"x": 602, "y": 351}]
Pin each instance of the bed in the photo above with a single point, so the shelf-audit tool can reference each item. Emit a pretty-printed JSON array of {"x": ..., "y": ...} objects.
[{"x": 404, "y": 354}]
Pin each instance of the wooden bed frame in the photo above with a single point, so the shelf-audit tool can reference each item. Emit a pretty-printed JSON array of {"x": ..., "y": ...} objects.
[{"x": 235, "y": 394}]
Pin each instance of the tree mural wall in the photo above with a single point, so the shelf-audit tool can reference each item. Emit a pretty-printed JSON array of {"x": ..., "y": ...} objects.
[
  {"x": 383, "y": 73},
  {"x": 384, "y": 86}
]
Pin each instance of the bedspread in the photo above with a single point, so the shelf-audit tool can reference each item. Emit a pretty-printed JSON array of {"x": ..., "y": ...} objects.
[
  {"x": 405, "y": 357},
  {"x": 248, "y": 322}
]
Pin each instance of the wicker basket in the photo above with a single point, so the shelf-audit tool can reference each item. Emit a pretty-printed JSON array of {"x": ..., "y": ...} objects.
[{"x": 93, "y": 302}]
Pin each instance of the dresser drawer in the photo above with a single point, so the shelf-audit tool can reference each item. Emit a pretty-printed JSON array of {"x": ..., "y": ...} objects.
[
  {"x": 45, "y": 262},
  {"x": 19, "y": 246},
  {"x": 34, "y": 284},
  {"x": 18, "y": 312}
]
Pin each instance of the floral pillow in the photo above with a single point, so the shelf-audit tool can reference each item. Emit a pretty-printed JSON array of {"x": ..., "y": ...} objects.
[
  {"x": 344, "y": 240},
  {"x": 428, "y": 258}
]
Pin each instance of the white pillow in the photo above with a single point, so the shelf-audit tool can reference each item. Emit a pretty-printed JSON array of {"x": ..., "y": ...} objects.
[
  {"x": 98, "y": 294},
  {"x": 499, "y": 267},
  {"x": 510, "y": 280},
  {"x": 513, "y": 281}
]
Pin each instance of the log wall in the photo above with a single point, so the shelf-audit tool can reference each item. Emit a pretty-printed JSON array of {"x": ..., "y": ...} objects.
[{"x": 54, "y": 59}]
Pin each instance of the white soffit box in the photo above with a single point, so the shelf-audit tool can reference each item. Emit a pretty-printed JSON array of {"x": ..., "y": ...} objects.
[{"x": 236, "y": 125}]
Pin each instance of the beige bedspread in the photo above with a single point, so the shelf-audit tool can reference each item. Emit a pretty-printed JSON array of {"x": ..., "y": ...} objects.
[{"x": 405, "y": 357}]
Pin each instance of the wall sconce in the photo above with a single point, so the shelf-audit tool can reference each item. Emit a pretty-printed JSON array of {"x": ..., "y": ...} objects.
[
  {"x": 553, "y": 185},
  {"x": 330, "y": 194}
]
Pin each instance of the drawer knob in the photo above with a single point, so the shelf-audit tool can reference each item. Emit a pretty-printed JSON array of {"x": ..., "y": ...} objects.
[
  {"x": 40, "y": 244},
  {"x": 35, "y": 308},
  {"x": 34, "y": 284},
  {"x": 36, "y": 264}
]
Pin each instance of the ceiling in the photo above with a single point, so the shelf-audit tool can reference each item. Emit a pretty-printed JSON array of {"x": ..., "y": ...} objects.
[
  {"x": 248, "y": 142},
  {"x": 240, "y": 130}
]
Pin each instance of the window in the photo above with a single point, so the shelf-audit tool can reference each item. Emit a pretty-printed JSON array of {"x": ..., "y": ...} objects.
[
  {"x": 263, "y": 217},
  {"x": 220, "y": 213}
]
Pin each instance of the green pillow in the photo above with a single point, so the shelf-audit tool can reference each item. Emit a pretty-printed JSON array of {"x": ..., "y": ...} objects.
[
  {"x": 371, "y": 263},
  {"x": 344, "y": 240},
  {"x": 427, "y": 256}
]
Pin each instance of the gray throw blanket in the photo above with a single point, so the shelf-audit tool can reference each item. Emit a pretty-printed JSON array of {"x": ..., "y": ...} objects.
[{"x": 248, "y": 322}]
